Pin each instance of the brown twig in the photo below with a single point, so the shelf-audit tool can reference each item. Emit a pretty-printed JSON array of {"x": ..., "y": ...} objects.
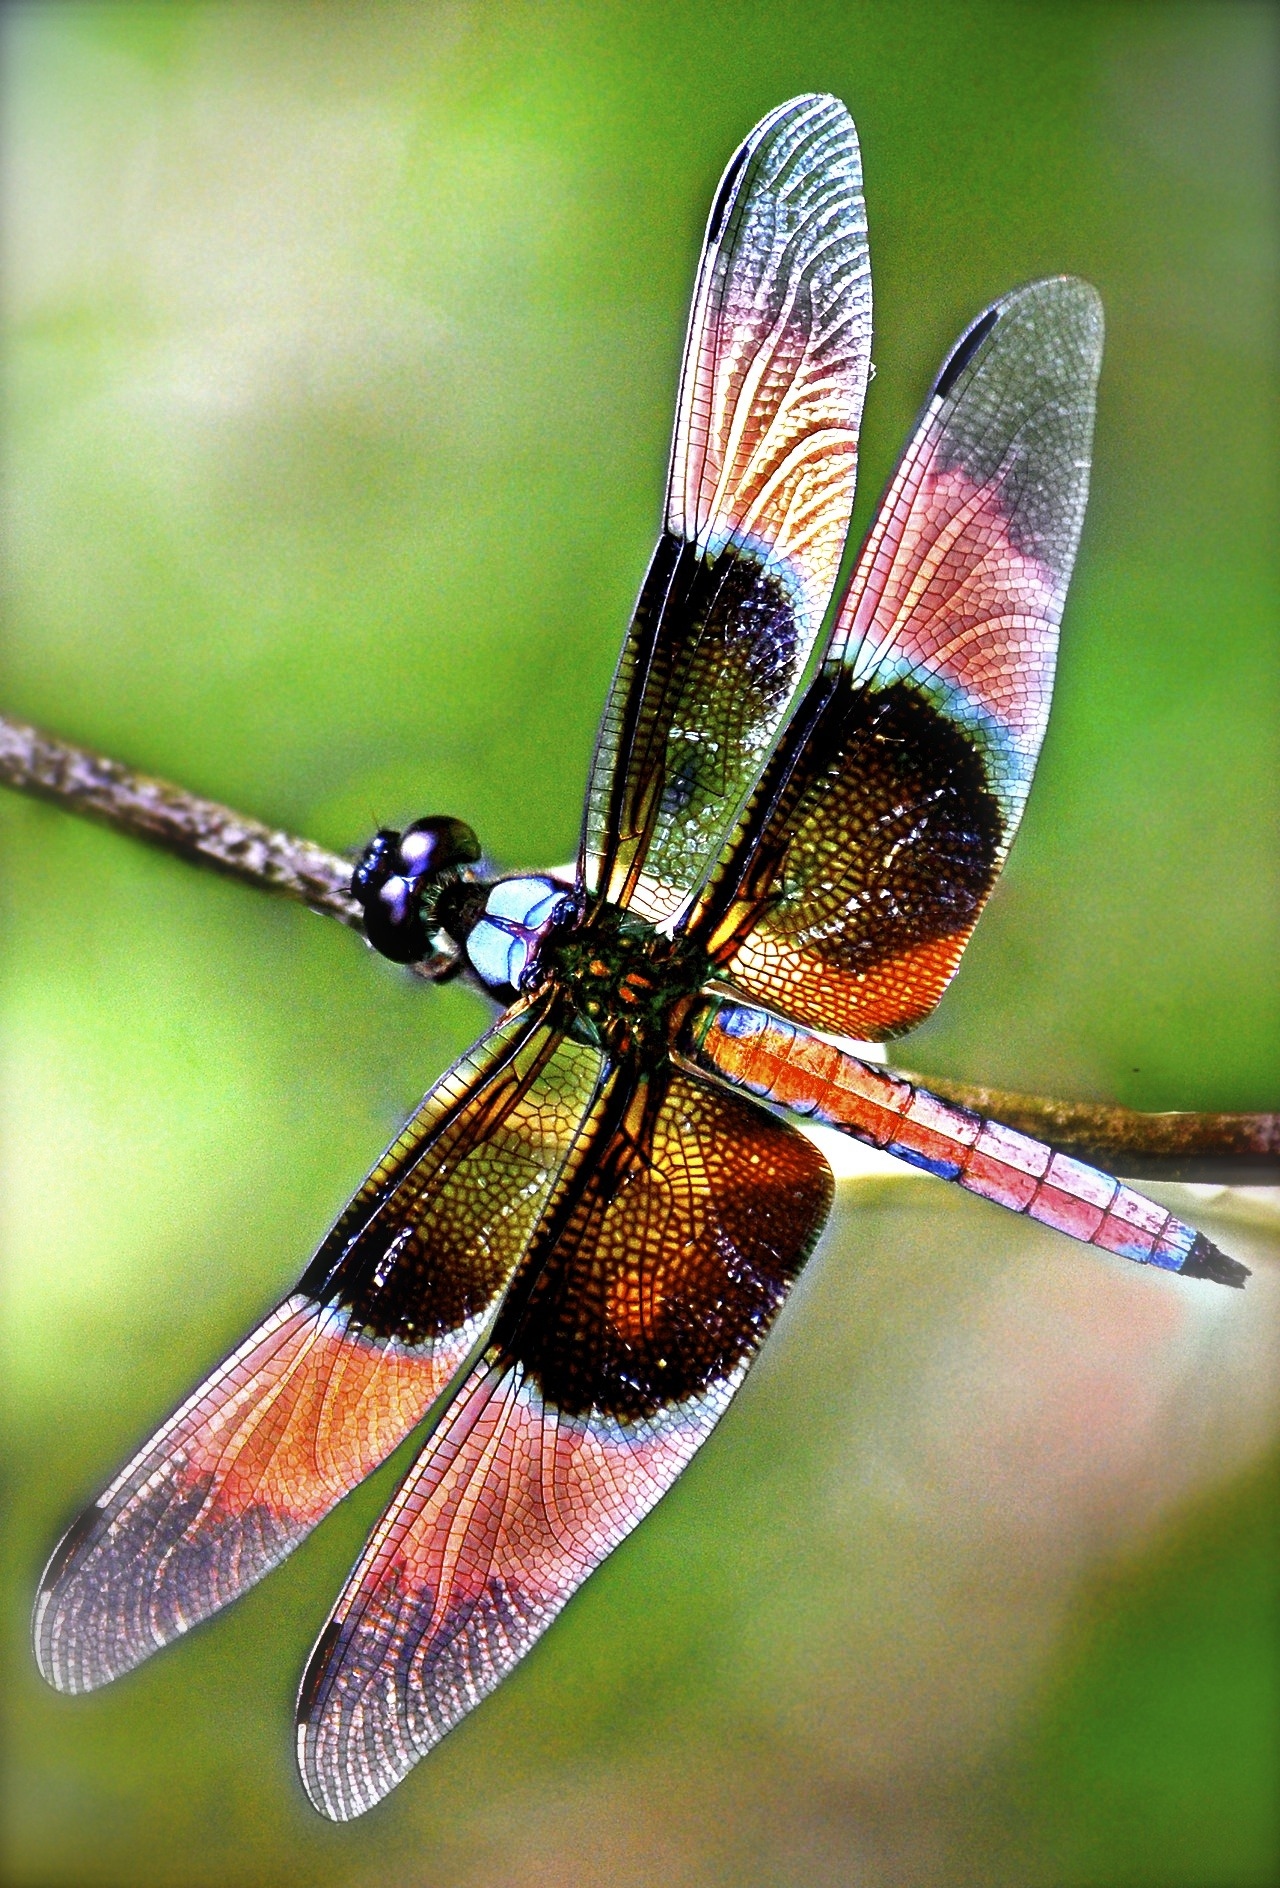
[
  {"x": 181, "y": 822},
  {"x": 1169, "y": 1146}
]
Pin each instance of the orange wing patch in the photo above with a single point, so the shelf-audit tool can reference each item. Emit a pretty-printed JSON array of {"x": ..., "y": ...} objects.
[
  {"x": 292, "y": 1421},
  {"x": 337, "y": 1375},
  {"x": 869, "y": 1005}
]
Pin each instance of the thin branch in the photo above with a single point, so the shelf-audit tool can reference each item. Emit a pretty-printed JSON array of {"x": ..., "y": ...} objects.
[
  {"x": 1227, "y": 1148},
  {"x": 181, "y": 822},
  {"x": 1214, "y": 1146}
]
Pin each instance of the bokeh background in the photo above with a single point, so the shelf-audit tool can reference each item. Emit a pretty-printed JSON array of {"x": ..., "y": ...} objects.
[{"x": 339, "y": 357}]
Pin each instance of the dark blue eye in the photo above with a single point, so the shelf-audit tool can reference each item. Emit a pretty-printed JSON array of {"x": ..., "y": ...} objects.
[
  {"x": 399, "y": 872},
  {"x": 432, "y": 845},
  {"x": 418, "y": 853},
  {"x": 393, "y": 922},
  {"x": 397, "y": 900}
]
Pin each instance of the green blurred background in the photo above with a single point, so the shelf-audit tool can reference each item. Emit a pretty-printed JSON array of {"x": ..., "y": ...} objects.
[{"x": 339, "y": 359}]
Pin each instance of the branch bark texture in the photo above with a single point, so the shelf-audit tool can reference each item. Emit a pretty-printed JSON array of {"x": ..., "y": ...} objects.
[
  {"x": 1227, "y": 1148},
  {"x": 84, "y": 782}
]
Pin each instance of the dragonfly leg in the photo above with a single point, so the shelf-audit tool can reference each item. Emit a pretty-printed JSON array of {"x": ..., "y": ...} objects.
[{"x": 783, "y": 1063}]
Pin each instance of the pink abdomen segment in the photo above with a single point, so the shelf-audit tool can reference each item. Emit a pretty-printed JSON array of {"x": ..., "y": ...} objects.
[{"x": 783, "y": 1063}]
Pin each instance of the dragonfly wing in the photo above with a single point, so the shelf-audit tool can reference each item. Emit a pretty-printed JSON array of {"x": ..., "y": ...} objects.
[
  {"x": 337, "y": 1375},
  {"x": 758, "y": 502},
  {"x": 883, "y": 827},
  {"x": 626, "y": 1333}
]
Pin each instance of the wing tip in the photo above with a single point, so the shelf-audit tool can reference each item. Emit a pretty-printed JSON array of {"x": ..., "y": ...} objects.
[
  {"x": 818, "y": 102},
  {"x": 333, "y": 1806},
  {"x": 47, "y": 1613},
  {"x": 339, "y": 1789},
  {"x": 325, "y": 1803},
  {"x": 1058, "y": 290},
  {"x": 308, "y": 1715},
  {"x": 336, "y": 1787},
  {"x": 1064, "y": 290},
  {"x": 792, "y": 108}
]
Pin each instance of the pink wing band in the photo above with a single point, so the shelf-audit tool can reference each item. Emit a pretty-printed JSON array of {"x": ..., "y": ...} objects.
[
  {"x": 965, "y": 602},
  {"x": 961, "y": 585},
  {"x": 508, "y": 1510},
  {"x": 783, "y": 1063},
  {"x": 946, "y": 600}
]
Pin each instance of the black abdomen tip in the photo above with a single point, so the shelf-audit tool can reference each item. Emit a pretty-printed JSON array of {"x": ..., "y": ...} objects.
[{"x": 1205, "y": 1261}]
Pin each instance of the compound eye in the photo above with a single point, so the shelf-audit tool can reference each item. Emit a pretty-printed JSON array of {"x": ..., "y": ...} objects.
[
  {"x": 397, "y": 900},
  {"x": 393, "y": 924},
  {"x": 432, "y": 845}
]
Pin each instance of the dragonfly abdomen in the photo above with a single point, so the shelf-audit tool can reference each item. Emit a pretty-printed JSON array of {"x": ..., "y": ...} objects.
[{"x": 783, "y": 1063}]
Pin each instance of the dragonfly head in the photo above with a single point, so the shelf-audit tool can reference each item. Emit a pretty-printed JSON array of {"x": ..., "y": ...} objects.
[{"x": 400, "y": 877}]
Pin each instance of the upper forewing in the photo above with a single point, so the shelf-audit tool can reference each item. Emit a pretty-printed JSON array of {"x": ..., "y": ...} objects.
[
  {"x": 336, "y": 1376},
  {"x": 624, "y": 1337},
  {"x": 758, "y": 503},
  {"x": 905, "y": 789}
]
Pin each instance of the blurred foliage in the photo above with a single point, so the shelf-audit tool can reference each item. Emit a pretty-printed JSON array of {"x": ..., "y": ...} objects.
[{"x": 340, "y": 349}]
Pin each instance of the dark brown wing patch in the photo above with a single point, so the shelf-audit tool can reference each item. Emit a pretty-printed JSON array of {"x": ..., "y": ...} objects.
[
  {"x": 430, "y": 1240},
  {"x": 873, "y": 867},
  {"x": 713, "y": 657},
  {"x": 634, "y": 1321},
  {"x": 687, "y": 1232},
  {"x": 895, "y": 819}
]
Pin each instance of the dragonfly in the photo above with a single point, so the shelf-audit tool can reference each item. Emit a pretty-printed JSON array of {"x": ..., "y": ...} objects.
[{"x": 799, "y": 801}]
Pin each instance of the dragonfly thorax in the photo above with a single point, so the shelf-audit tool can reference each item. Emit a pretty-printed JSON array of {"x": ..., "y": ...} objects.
[
  {"x": 626, "y": 980},
  {"x": 502, "y": 928}
]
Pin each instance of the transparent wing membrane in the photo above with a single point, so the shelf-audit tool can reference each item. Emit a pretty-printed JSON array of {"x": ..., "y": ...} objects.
[
  {"x": 337, "y": 1375},
  {"x": 758, "y": 504}
]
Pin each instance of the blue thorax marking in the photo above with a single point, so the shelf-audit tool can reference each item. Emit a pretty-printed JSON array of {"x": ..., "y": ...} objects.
[{"x": 517, "y": 915}]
